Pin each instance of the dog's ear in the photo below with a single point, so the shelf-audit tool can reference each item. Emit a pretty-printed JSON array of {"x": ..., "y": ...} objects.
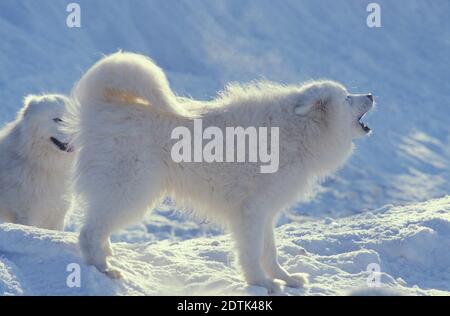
[
  {"x": 304, "y": 106},
  {"x": 28, "y": 103}
]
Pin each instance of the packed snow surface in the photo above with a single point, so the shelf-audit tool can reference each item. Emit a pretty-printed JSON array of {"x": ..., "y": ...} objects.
[
  {"x": 410, "y": 244},
  {"x": 203, "y": 45}
]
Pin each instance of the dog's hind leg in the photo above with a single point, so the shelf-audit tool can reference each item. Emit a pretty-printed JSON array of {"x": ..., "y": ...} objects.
[
  {"x": 95, "y": 234},
  {"x": 272, "y": 266},
  {"x": 113, "y": 200}
]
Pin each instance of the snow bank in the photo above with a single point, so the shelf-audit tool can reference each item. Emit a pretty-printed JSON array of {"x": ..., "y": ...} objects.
[{"x": 410, "y": 244}]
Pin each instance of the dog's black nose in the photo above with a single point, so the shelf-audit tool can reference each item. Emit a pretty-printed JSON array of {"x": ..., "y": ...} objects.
[{"x": 370, "y": 96}]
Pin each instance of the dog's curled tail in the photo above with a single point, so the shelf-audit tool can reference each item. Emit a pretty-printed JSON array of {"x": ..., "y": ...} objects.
[{"x": 127, "y": 79}]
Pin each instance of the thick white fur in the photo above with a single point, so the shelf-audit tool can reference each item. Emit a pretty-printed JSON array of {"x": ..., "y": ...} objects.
[
  {"x": 34, "y": 173},
  {"x": 124, "y": 112}
]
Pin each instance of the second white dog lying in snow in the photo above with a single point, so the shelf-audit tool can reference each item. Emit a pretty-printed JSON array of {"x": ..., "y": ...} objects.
[
  {"x": 35, "y": 163},
  {"x": 124, "y": 114}
]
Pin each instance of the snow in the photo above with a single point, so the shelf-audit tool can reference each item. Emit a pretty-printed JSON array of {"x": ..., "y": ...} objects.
[
  {"x": 205, "y": 44},
  {"x": 409, "y": 243}
]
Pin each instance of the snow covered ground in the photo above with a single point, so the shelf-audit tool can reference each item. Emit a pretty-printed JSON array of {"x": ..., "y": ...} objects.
[
  {"x": 410, "y": 244},
  {"x": 205, "y": 44}
]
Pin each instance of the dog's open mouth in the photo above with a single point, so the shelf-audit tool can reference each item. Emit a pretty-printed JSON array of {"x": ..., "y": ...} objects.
[
  {"x": 364, "y": 125},
  {"x": 61, "y": 146}
]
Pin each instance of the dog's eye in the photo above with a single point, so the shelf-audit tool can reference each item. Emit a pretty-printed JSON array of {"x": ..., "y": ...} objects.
[
  {"x": 348, "y": 99},
  {"x": 57, "y": 120}
]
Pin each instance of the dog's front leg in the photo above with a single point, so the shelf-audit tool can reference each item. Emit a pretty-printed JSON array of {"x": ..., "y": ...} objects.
[
  {"x": 270, "y": 261},
  {"x": 248, "y": 232}
]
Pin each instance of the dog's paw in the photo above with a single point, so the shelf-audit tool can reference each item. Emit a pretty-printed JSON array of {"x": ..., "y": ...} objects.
[
  {"x": 113, "y": 274},
  {"x": 297, "y": 280},
  {"x": 272, "y": 286}
]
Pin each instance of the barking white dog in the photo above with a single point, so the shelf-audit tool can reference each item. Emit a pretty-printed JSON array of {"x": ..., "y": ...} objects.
[
  {"x": 124, "y": 113},
  {"x": 35, "y": 165}
]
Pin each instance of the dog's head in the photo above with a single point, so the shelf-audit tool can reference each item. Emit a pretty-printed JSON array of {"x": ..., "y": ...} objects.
[
  {"x": 341, "y": 112},
  {"x": 41, "y": 119}
]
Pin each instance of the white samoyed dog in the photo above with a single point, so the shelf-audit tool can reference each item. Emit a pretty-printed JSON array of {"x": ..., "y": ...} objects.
[
  {"x": 35, "y": 165},
  {"x": 124, "y": 113}
]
